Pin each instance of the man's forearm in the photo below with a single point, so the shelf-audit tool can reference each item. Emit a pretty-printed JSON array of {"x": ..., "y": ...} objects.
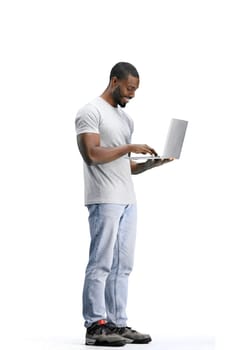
[
  {"x": 138, "y": 168},
  {"x": 100, "y": 155}
]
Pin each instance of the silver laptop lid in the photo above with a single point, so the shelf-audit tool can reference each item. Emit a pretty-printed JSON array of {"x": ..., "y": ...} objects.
[{"x": 175, "y": 138}]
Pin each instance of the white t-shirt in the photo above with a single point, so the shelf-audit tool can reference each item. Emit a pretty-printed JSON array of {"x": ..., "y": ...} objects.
[{"x": 109, "y": 182}]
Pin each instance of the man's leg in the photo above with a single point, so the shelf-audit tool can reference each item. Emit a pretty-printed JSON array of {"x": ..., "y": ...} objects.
[
  {"x": 104, "y": 222},
  {"x": 116, "y": 290}
]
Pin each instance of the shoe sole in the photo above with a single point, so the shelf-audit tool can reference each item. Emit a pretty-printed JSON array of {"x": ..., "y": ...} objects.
[
  {"x": 104, "y": 343},
  {"x": 141, "y": 341}
]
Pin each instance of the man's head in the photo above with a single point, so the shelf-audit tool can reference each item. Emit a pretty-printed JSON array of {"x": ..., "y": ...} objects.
[{"x": 124, "y": 81}]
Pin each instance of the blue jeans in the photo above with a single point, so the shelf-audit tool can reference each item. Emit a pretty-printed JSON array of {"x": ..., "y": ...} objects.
[{"x": 113, "y": 233}]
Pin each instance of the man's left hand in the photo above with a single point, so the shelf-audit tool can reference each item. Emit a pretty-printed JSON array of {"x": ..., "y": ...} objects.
[{"x": 152, "y": 163}]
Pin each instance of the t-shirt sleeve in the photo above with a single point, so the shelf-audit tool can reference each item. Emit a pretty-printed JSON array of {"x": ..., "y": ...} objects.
[{"x": 87, "y": 121}]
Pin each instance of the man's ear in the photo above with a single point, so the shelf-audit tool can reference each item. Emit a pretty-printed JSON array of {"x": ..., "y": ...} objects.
[{"x": 114, "y": 81}]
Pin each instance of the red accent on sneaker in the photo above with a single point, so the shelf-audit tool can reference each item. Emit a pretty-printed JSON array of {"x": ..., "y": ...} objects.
[{"x": 102, "y": 322}]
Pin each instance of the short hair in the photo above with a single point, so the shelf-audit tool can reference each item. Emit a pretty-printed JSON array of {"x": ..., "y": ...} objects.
[{"x": 121, "y": 70}]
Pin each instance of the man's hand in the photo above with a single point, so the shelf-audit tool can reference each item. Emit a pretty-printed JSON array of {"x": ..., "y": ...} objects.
[
  {"x": 143, "y": 149},
  {"x": 138, "y": 168},
  {"x": 152, "y": 163}
]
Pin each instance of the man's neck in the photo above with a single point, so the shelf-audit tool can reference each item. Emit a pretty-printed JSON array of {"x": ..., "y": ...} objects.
[{"x": 108, "y": 98}]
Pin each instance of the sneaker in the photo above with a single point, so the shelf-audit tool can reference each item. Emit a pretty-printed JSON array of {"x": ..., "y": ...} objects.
[
  {"x": 131, "y": 334},
  {"x": 101, "y": 335}
]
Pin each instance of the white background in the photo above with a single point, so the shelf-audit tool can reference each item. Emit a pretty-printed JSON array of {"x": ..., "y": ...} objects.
[{"x": 55, "y": 57}]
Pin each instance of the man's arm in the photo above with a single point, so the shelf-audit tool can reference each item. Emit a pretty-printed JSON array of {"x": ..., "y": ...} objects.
[
  {"x": 138, "y": 168},
  {"x": 93, "y": 153}
]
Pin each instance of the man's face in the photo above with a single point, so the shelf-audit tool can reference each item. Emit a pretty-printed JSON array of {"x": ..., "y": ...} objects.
[{"x": 124, "y": 90}]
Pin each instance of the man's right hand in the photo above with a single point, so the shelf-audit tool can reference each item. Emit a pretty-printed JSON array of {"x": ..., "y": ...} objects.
[{"x": 144, "y": 149}]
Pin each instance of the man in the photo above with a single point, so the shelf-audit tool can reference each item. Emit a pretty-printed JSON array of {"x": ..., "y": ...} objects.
[{"x": 104, "y": 133}]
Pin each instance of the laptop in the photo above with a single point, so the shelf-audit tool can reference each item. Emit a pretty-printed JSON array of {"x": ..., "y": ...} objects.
[{"x": 174, "y": 142}]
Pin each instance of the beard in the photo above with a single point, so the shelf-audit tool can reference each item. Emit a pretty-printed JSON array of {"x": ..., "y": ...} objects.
[{"x": 117, "y": 97}]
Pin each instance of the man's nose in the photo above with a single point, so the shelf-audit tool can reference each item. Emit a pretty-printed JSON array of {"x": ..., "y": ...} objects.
[{"x": 131, "y": 94}]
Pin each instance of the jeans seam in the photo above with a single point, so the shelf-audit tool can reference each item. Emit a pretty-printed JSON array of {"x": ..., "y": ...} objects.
[{"x": 115, "y": 282}]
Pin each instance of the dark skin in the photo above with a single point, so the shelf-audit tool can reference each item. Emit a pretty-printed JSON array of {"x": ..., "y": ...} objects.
[{"x": 118, "y": 92}]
